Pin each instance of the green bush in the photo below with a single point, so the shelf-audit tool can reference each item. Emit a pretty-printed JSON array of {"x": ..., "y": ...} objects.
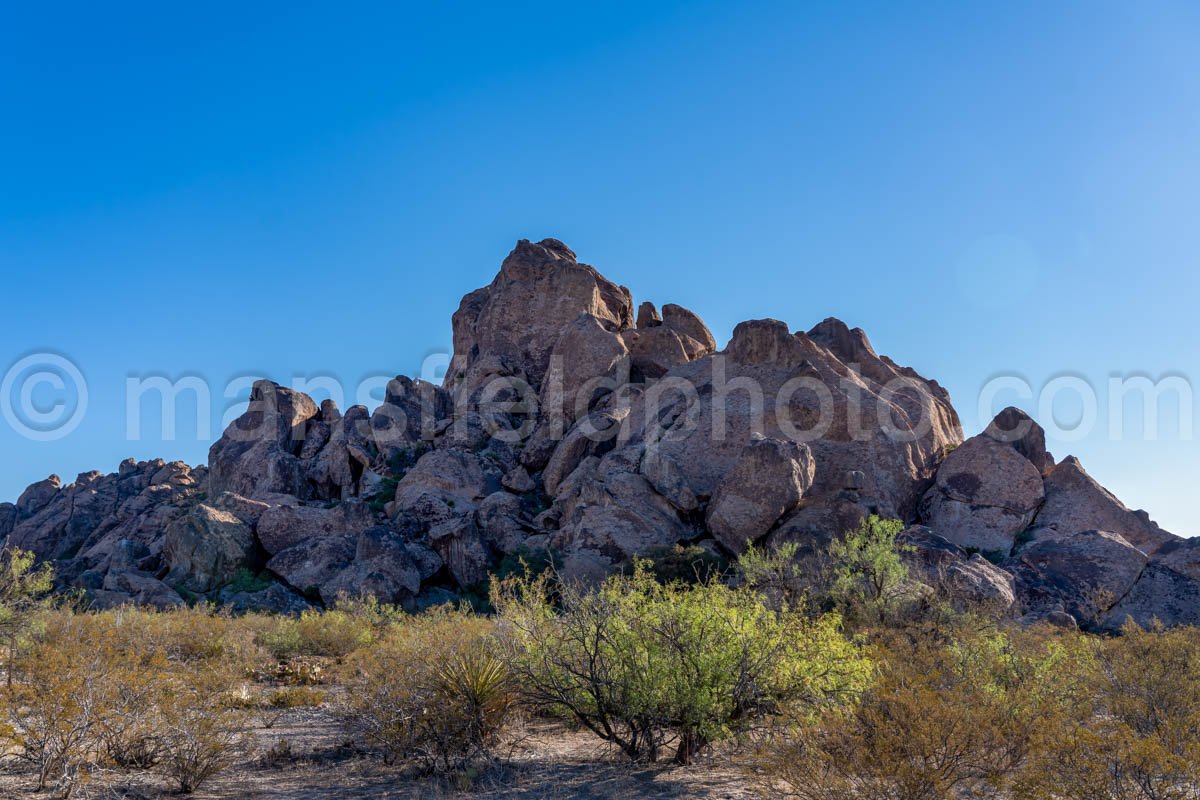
[
  {"x": 642, "y": 664},
  {"x": 941, "y": 721},
  {"x": 869, "y": 576},
  {"x": 245, "y": 580},
  {"x": 1134, "y": 730},
  {"x": 335, "y": 632}
]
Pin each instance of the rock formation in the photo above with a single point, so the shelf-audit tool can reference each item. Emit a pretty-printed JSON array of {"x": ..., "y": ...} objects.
[{"x": 568, "y": 424}]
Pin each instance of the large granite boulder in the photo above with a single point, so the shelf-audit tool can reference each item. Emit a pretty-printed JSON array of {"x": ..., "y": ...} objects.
[
  {"x": 1087, "y": 573},
  {"x": 8, "y": 519},
  {"x": 986, "y": 493},
  {"x": 541, "y": 288},
  {"x": 968, "y": 580},
  {"x": 1014, "y": 427},
  {"x": 127, "y": 584},
  {"x": 660, "y": 343},
  {"x": 697, "y": 339},
  {"x": 587, "y": 362},
  {"x": 412, "y": 414},
  {"x": 1076, "y": 502},
  {"x": 375, "y": 562},
  {"x": 654, "y": 351},
  {"x": 282, "y": 526},
  {"x": 38, "y": 495},
  {"x": 607, "y": 512},
  {"x": 205, "y": 549},
  {"x": 259, "y": 453},
  {"x": 981, "y": 583},
  {"x": 768, "y": 479},
  {"x": 338, "y": 454},
  {"x": 456, "y": 478},
  {"x": 1167, "y": 592}
]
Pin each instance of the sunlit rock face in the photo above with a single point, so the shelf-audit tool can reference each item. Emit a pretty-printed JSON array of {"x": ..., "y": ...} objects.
[{"x": 569, "y": 423}]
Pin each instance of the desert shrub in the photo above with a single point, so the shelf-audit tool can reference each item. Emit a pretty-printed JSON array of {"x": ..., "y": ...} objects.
[
  {"x": 278, "y": 636},
  {"x": 525, "y": 560},
  {"x": 941, "y": 721},
  {"x": 202, "y": 730},
  {"x": 22, "y": 589},
  {"x": 431, "y": 691},
  {"x": 334, "y": 633},
  {"x": 246, "y": 580},
  {"x": 202, "y": 634},
  {"x": 296, "y": 697},
  {"x": 118, "y": 689},
  {"x": 279, "y": 753},
  {"x": 686, "y": 563},
  {"x": 1135, "y": 733},
  {"x": 54, "y": 708},
  {"x": 780, "y": 574},
  {"x": 868, "y": 572},
  {"x": 643, "y": 665}
]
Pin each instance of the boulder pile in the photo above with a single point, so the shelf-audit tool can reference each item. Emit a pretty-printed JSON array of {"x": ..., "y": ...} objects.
[{"x": 571, "y": 423}]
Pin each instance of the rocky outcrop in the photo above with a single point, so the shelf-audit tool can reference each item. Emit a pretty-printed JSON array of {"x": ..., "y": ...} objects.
[
  {"x": 289, "y": 523},
  {"x": 606, "y": 512},
  {"x": 1014, "y": 427},
  {"x": 205, "y": 549},
  {"x": 970, "y": 581},
  {"x": 38, "y": 495},
  {"x": 1076, "y": 502},
  {"x": 376, "y": 561},
  {"x": 412, "y": 414},
  {"x": 259, "y": 453},
  {"x": 339, "y": 453},
  {"x": 1087, "y": 573},
  {"x": 8, "y": 519},
  {"x": 587, "y": 362},
  {"x": 768, "y": 479},
  {"x": 79, "y": 525},
  {"x": 985, "y": 495},
  {"x": 518, "y": 319},
  {"x": 562, "y": 425},
  {"x": 1073, "y": 548}
]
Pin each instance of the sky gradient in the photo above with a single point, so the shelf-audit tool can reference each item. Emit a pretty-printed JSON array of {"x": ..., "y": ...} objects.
[{"x": 233, "y": 190}]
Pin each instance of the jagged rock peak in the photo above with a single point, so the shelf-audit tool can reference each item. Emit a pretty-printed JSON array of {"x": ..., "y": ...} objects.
[
  {"x": 528, "y": 257},
  {"x": 510, "y": 327},
  {"x": 1014, "y": 427},
  {"x": 850, "y": 345}
]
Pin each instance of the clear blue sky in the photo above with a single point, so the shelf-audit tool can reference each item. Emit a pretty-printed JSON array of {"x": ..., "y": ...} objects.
[{"x": 227, "y": 189}]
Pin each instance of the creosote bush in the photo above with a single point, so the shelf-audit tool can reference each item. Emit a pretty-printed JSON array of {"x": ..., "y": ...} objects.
[
  {"x": 1134, "y": 732},
  {"x": 126, "y": 689},
  {"x": 941, "y": 720}
]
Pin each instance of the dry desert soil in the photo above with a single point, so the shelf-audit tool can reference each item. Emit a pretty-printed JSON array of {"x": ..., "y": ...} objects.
[{"x": 548, "y": 761}]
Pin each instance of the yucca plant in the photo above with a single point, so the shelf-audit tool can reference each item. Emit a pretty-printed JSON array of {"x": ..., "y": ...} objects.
[
  {"x": 479, "y": 684},
  {"x": 431, "y": 692}
]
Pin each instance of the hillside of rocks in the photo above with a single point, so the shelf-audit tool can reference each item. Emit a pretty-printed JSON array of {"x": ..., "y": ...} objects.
[{"x": 574, "y": 423}]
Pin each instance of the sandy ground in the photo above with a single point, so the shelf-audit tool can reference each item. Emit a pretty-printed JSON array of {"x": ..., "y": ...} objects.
[{"x": 550, "y": 761}]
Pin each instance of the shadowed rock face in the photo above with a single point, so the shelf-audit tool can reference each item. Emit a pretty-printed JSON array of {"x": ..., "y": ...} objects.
[{"x": 563, "y": 425}]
